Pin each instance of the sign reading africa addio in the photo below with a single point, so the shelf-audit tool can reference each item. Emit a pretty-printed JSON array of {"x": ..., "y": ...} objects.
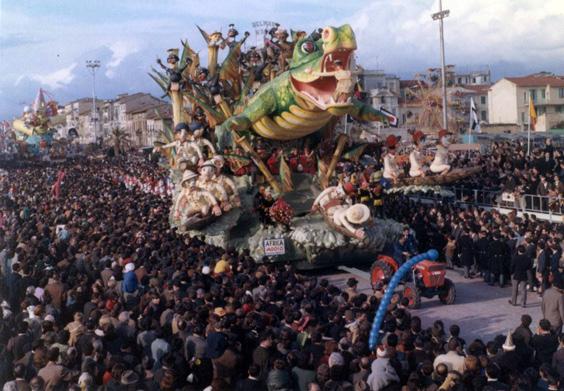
[{"x": 274, "y": 247}]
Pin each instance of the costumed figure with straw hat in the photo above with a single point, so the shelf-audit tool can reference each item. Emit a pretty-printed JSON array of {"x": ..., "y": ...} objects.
[
  {"x": 338, "y": 212},
  {"x": 226, "y": 182},
  {"x": 194, "y": 203},
  {"x": 206, "y": 181},
  {"x": 188, "y": 152}
]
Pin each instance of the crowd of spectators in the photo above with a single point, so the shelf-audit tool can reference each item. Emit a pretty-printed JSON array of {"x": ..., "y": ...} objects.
[{"x": 99, "y": 293}]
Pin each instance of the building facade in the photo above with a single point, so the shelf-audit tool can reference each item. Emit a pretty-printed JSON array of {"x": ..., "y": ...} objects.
[
  {"x": 380, "y": 90},
  {"x": 509, "y": 100}
]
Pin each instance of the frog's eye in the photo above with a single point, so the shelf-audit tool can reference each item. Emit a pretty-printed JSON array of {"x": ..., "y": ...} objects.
[{"x": 308, "y": 47}]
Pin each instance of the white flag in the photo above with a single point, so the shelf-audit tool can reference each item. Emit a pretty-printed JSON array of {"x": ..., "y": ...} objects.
[{"x": 474, "y": 122}]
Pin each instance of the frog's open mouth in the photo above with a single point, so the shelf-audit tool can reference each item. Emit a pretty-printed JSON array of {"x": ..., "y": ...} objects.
[{"x": 323, "y": 90}]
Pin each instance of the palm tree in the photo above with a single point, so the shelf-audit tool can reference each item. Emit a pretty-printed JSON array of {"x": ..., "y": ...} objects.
[{"x": 120, "y": 139}]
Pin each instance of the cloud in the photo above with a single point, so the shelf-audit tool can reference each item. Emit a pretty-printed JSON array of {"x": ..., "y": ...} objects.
[
  {"x": 400, "y": 35},
  {"x": 54, "y": 80},
  {"x": 9, "y": 41},
  {"x": 120, "y": 50}
]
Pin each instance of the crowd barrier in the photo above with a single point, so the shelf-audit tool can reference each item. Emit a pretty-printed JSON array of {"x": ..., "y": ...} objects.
[{"x": 495, "y": 198}]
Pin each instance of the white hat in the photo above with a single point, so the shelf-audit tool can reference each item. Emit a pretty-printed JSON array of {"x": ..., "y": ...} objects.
[
  {"x": 188, "y": 175},
  {"x": 218, "y": 160},
  {"x": 206, "y": 270},
  {"x": 49, "y": 318},
  {"x": 381, "y": 352},
  {"x": 129, "y": 267},
  {"x": 357, "y": 214},
  {"x": 207, "y": 163},
  {"x": 508, "y": 345}
]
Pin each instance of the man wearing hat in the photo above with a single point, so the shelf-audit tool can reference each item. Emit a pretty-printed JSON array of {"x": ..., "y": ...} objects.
[
  {"x": 225, "y": 181},
  {"x": 416, "y": 157},
  {"x": 197, "y": 130},
  {"x": 352, "y": 217},
  {"x": 193, "y": 200},
  {"x": 440, "y": 163},
  {"x": 172, "y": 69},
  {"x": 188, "y": 152},
  {"x": 206, "y": 181},
  {"x": 332, "y": 203}
]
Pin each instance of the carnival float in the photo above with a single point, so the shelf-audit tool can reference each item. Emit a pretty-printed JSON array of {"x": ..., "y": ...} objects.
[
  {"x": 35, "y": 127},
  {"x": 256, "y": 142}
]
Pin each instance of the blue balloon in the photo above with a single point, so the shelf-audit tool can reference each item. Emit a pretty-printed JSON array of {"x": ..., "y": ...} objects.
[{"x": 394, "y": 282}]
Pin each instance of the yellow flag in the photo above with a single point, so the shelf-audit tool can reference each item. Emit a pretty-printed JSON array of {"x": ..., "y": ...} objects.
[{"x": 532, "y": 114}]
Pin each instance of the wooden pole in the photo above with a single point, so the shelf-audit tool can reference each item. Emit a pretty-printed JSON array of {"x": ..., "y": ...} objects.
[
  {"x": 341, "y": 141},
  {"x": 176, "y": 99},
  {"x": 247, "y": 147},
  {"x": 212, "y": 60}
]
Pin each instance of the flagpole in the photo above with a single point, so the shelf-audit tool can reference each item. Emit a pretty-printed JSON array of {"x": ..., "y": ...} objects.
[
  {"x": 529, "y": 138},
  {"x": 529, "y": 131},
  {"x": 471, "y": 119}
]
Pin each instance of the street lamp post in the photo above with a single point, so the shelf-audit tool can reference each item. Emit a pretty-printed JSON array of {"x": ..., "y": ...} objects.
[
  {"x": 440, "y": 16},
  {"x": 93, "y": 65}
]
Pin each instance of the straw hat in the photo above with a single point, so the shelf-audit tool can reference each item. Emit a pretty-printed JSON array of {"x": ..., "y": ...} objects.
[
  {"x": 357, "y": 214},
  {"x": 207, "y": 163},
  {"x": 188, "y": 175}
]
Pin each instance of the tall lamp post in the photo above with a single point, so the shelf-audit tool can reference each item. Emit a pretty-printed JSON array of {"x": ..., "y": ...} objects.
[
  {"x": 440, "y": 16},
  {"x": 93, "y": 65}
]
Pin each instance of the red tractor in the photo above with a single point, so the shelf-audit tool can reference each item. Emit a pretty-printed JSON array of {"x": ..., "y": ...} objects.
[{"x": 428, "y": 280}]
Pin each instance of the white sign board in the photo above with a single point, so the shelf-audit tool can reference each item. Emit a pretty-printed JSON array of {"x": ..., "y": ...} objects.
[{"x": 274, "y": 247}]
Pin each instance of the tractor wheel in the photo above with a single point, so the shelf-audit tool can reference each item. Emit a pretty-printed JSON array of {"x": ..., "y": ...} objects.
[
  {"x": 380, "y": 270},
  {"x": 448, "y": 294},
  {"x": 413, "y": 294}
]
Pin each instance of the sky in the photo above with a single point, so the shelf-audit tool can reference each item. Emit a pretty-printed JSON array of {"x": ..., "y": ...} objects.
[{"x": 45, "y": 43}]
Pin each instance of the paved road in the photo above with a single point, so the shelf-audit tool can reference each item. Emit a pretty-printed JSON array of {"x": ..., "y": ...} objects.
[{"x": 480, "y": 310}]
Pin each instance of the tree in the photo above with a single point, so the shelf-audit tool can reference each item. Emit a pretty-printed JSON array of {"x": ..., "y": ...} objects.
[{"x": 120, "y": 139}]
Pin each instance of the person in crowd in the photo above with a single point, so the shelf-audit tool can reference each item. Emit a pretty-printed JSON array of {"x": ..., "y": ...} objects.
[
  {"x": 122, "y": 301},
  {"x": 520, "y": 264}
]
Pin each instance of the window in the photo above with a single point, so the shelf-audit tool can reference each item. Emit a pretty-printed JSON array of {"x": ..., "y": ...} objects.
[
  {"x": 533, "y": 94},
  {"x": 473, "y": 80},
  {"x": 561, "y": 92},
  {"x": 525, "y": 97},
  {"x": 522, "y": 117},
  {"x": 543, "y": 93},
  {"x": 459, "y": 80},
  {"x": 483, "y": 115},
  {"x": 560, "y": 109},
  {"x": 483, "y": 100}
]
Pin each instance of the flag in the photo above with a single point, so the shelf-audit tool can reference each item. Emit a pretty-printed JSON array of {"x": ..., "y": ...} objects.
[
  {"x": 474, "y": 123},
  {"x": 355, "y": 152},
  {"x": 392, "y": 119},
  {"x": 532, "y": 114},
  {"x": 285, "y": 175}
]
